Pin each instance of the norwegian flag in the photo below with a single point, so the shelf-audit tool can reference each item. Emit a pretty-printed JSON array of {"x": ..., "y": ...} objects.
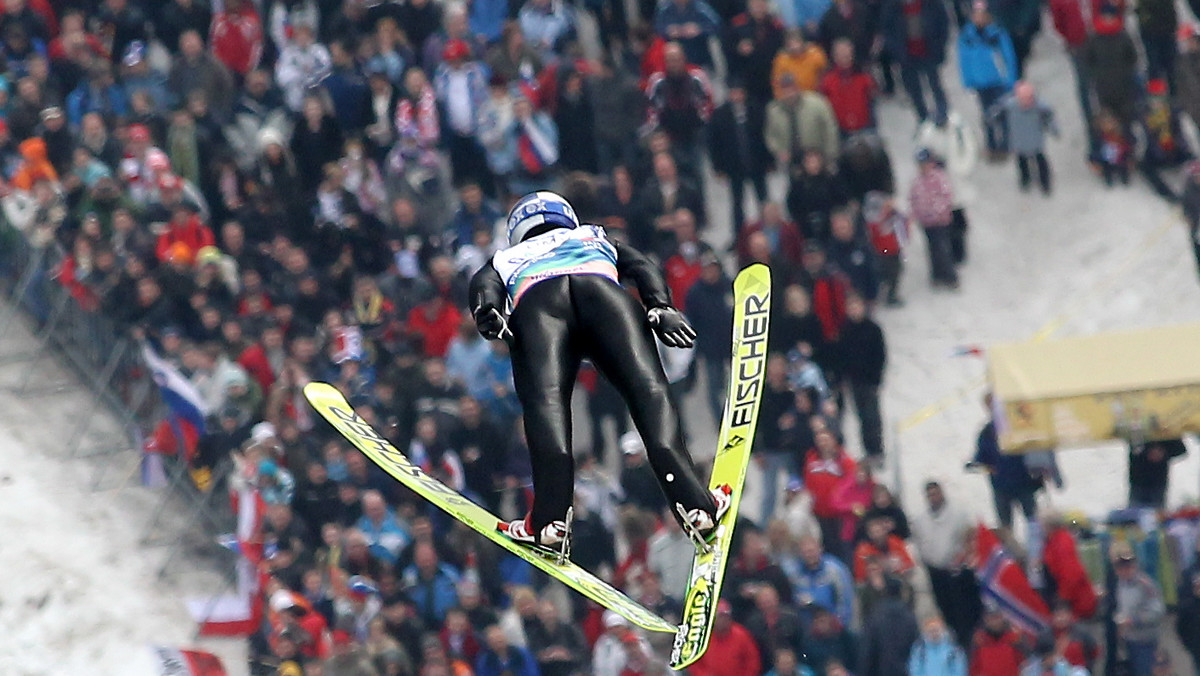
[{"x": 1003, "y": 584}]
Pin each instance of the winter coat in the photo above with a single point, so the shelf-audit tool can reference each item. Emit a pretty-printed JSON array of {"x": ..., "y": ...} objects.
[
  {"x": 895, "y": 551},
  {"x": 729, "y": 155},
  {"x": 856, "y": 261},
  {"x": 986, "y": 58},
  {"x": 790, "y": 245},
  {"x": 889, "y": 633},
  {"x": 36, "y": 166},
  {"x": 996, "y": 655},
  {"x": 841, "y": 646},
  {"x": 815, "y": 124},
  {"x": 208, "y": 75},
  {"x": 753, "y": 69},
  {"x": 805, "y": 68},
  {"x": 1021, "y": 18},
  {"x": 194, "y": 234},
  {"x": 618, "y": 107},
  {"x": 1157, "y": 19},
  {"x": 518, "y": 662},
  {"x": 1140, "y": 601},
  {"x": 1110, "y": 61},
  {"x": 1027, "y": 127},
  {"x": 236, "y": 39},
  {"x": 681, "y": 104},
  {"x": 859, "y": 26},
  {"x": 943, "y": 658},
  {"x": 544, "y": 30},
  {"x": 710, "y": 311},
  {"x": 865, "y": 166},
  {"x": 786, "y": 631},
  {"x": 934, "y": 24},
  {"x": 1187, "y": 83},
  {"x": 433, "y": 597},
  {"x": 670, "y": 14},
  {"x": 1071, "y": 583},
  {"x": 827, "y": 586},
  {"x": 821, "y": 477},
  {"x": 1068, "y": 21},
  {"x": 931, "y": 199},
  {"x": 851, "y": 94},
  {"x": 733, "y": 653},
  {"x": 861, "y": 353}
]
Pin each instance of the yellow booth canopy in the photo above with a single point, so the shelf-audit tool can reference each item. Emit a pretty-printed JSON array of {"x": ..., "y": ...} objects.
[{"x": 1130, "y": 385}]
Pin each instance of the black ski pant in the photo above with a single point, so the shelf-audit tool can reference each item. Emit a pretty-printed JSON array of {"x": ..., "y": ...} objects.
[{"x": 557, "y": 324}]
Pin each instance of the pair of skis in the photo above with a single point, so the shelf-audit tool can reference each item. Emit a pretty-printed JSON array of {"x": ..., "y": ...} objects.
[{"x": 752, "y": 301}]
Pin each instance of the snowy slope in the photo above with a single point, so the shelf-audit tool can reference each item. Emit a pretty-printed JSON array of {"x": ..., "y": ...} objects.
[{"x": 78, "y": 594}]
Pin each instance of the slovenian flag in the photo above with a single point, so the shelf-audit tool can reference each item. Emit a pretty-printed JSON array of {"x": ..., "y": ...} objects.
[
  {"x": 180, "y": 432},
  {"x": 182, "y": 398},
  {"x": 1004, "y": 585}
]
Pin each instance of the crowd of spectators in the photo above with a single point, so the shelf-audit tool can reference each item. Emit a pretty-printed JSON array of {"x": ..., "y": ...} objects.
[{"x": 283, "y": 191}]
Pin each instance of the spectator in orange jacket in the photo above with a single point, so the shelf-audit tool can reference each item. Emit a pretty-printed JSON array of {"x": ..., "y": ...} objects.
[
  {"x": 881, "y": 543},
  {"x": 803, "y": 60},
  {"x": 731, "y": 650},
  {"x": 36, "y": 166}
]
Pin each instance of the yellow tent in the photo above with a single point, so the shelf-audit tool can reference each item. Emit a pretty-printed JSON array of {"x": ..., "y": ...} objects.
[{"x": 1128, "y": 385}]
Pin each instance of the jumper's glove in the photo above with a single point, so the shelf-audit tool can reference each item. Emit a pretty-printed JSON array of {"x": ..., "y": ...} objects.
[
  {"x": 672, "y": 329},
  {"x": 491, "y": 322}
]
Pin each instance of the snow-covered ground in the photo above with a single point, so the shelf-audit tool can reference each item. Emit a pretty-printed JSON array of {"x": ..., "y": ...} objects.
[{"x": 79, "y": 594}]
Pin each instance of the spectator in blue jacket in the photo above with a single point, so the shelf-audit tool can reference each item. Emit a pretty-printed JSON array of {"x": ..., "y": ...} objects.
[
  {"x": 819, "y": 580},
  {"x": 99, "y": 93},
  {"x": 430, "y": 584},
  {"x": 1011, "y": 478},
  {"x": 502, "y": 659},
  {"x": 690, "y": 23},
  {"x": 936, "y": 653},
  {"x": 385, "y": 536},
  {"x": 988, "y": 65},
  {"x": 914, "y": 36},
  {"x": 546, "y": 25}
]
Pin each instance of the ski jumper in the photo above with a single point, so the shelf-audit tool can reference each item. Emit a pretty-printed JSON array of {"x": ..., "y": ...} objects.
[{"x": 564, "y": 287}]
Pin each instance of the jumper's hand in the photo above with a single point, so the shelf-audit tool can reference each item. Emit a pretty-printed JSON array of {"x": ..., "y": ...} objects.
[
  {"x": 672, "y": 329},
  {"x": 491, "y": 322}
]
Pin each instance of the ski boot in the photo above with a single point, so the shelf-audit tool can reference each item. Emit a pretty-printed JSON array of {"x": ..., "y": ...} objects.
[
  {"x": 554, "y": 542},
  {"x": 699, "y": 525}
]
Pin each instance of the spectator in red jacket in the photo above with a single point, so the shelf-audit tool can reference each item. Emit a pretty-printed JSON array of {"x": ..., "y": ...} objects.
[
  {"x": 731, "y": 650},
  {"x": 825, "y": 465},
  {"x": 1060, "y": 556},
  {"x": 183, "y": 228},
  {"x": 997, "y": 649},
  {"x": 827, "y": 288},
  {"x": 850, "y": 91},
  {"x": 236, "y": 37},
  {"x": 436, "y": 321}
]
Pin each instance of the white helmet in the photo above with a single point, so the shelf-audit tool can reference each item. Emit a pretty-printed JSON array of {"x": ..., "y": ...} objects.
[{"x": 539, "y": 208}]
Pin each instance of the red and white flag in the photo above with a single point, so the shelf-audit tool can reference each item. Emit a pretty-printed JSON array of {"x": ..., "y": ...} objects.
[{"x": 176, "y": 662}]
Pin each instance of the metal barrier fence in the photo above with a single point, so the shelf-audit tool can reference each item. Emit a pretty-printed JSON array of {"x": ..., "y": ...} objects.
[{"x": 104, "y": 360}]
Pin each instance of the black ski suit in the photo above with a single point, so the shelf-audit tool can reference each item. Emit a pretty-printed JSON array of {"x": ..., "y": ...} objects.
[{"x": 559, "y": 322}]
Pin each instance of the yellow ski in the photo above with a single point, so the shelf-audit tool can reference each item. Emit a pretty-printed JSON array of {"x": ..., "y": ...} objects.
[
  {"x": 751, "y": 313},
  {"x": 333, "y": 407}
]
